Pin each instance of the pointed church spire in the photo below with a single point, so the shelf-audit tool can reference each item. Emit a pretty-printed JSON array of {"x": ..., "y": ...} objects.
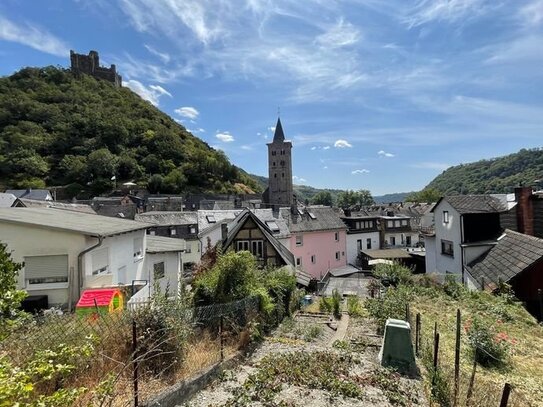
[{"x": 278, "y": 135}]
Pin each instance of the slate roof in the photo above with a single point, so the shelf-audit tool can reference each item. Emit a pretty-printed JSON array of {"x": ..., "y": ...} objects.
[
  {"x": 514, "y": 253},
  {"x": 162, "y": 244},
  {"x": 387, "y": 254},
  {"x": 469, "y": 204},
  {"x": 326, "y": 218},
  {"x": 33, "y": 203},
  {"x": 39, "y": 194},
  {"x": 166, "y": 218},
  {"x": 278, "y": 135},
  {"x": 220, "y": 216},
  {"x": 84, "y": 223},
  {"x": 6, "y": 200}
]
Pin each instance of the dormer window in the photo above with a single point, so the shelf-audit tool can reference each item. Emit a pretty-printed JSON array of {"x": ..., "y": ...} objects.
[
  {"x": 211, "y": 218},
  {"x": 273, "y": 226}
]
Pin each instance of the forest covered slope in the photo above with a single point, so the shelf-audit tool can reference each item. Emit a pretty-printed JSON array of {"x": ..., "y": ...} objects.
[
  {"x": 496, "y": 175},
  {"x": 56, "y": 129}
]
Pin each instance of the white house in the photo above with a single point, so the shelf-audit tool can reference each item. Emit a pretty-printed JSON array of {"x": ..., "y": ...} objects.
[
  {"x": 164, "y": 262},
  {"x": 65, "y": 252},
  {"x": 362, "y": 234},
  {"x": 466, "y": 226}
]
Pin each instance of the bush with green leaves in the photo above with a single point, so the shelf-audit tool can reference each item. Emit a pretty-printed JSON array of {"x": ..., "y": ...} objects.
[
  {"x": 489, "y": 349},
  {"x": 395, "y": 273},
  {"x": 10, "y": 296},
  {"x": 391, "y": 305},
  {"x": 325, "y": 304},
  {"x": 354, "y": 306},
  {"x": 336, "y": 304}
]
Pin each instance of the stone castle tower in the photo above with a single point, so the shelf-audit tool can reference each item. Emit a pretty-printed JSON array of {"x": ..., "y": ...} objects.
[
  {"x": 279, "y": 192},
  {"x": 90, "y": 65}
]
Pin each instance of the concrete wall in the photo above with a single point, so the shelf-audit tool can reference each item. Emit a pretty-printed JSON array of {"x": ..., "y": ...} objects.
[
  {"x": 430, "y": 258},
  {"x": 447, "y": 231},
  {"x": 23, "y": 240},
  {"x": 352, "y": 244},
  {"x": 324, "y": 246}
]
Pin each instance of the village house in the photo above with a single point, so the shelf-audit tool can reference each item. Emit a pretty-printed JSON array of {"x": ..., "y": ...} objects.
[
  {"x": 9, "y": 200},
  {"x": 37, "y": 194},
  {"x": 179, "y": 225},
  {"x": 65, "y": 252},
  {"x": 362, "y": 234},
  {"x": 318, "y": 239}
]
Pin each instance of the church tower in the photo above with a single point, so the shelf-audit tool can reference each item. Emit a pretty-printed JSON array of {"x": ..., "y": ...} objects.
[{"x": 280, "y": 192}]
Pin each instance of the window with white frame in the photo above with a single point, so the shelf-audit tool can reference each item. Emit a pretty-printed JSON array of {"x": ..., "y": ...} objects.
[
  {"x": 390, "y": 223},
  {"x": 445, "y": 216},
  {"x": 404, "y": 222},
  {"x": 192, "y": 230},
  {"x": 100, "y": 261},
  {"x": 173, "y": 232},
  {"x": 447, "y": 248},
  {"x": 138, "y": 248},
  {"x": 242, "y": 245},
  {"x": 46, "y": 269},
  {"x": 299, "y": 240},
  {"x": 257, "y": 248}
]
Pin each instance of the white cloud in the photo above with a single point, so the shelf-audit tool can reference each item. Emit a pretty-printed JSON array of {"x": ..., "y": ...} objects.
[
  {"x": 32, "y": 36},
  {"x": 326, "y": 148},
  {"x": 362, "y": 171},
  {"x": 313, "y": 148},
  {"x": 532, "y": 13},
  {"x": 383, "y": 153},
  {"x": 225, "y": 137},
  {"x": 164, "y": 57},
  {"x": 152, "y": 93},
  {"x": 272, "y": 129},
  {"x": 325, "y": 167},
  {"x": 298, "y": 179},
  {"x": 340, "y": 35},
  {"x": 342, "y": 144},
  {"x": 246, "y": 148},
  {"x": 188, "y": 111},
  {"x": 445, "y": 10}
]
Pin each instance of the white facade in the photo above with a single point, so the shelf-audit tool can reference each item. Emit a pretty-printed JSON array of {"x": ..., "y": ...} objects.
[
  {"x": 401, "y": 239},
  {"x": 359, "y": 241},
  {"x": 114, "y": 260},
  {"x": 171, "y": 264}
]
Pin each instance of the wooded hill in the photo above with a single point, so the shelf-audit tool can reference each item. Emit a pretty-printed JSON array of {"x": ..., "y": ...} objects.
[
  {"x": 56, "y": 129},
  {"x": 497, "y": 175}
]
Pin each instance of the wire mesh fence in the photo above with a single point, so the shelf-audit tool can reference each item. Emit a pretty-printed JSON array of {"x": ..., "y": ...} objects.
[{"x": 127, "y": 358}]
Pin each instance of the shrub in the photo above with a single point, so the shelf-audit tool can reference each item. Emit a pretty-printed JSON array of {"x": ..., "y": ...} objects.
[
  {"x": 489, "y": 349},
  {"x": 391, "y": 305},
  {"x": 325, "y": 304},
  {"x": 395, "y": 273},
  {"x": 336, "y": 304},
  {"x": 354, "y": 308},
  {"x": 452, "y": 287}
]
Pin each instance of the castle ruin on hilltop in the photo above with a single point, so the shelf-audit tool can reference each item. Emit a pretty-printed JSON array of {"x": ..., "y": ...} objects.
[{"x": 90, "y": 65}]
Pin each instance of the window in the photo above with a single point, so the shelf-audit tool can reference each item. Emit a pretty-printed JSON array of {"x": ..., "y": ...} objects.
[
  {"x": 273, "y": 226},
  {"x": 173, "y": 232},
  {"x": 368, "y": 244},
  {"x": 273, "y": 164},
  {"x": 393, "y": 240},
  {"x": 274, "y": 175},
  {"x": 404, "y": 222},
  {"x": 390, "y": 223},
  {"x": 257, "y": 248},
  {"x": 211, "y": 218},
  {"x": 100, "y": 261},
  {"x": 338, "y": 255},
  {"x": 138, "y": 249},
  {"x": 188, "y": 248},
  {"x": 242, "y": 245},
  {"x": 283, "y": 175},
  {"x": 408, "y": 240},
  {"x": 158, "y": 270},
  {"x": 299, "y": 240},
  {"x": 445, "y": 216},
  {"x": 192, "y": 230},
  {"x": 274, "y": 153},
  {"x": 152, "y": 232},
  {"x": 397, "y": 223},
  {"x": 447, "y": 248},
  {"x": 46, "y": 269},
  {"x": 298, "y": 261},
  {"x": 336, "y": 236},
  {"x": 313, "y": 259},
  {"x": 359, "y": 244},
  {"x": 312, "y": 215}
]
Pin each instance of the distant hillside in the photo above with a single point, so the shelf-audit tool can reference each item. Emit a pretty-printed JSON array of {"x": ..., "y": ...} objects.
[
  {"x": 56, "y": 129},
  {"x": 387, "y": 198},
  {"x": 497, "y": 175}
]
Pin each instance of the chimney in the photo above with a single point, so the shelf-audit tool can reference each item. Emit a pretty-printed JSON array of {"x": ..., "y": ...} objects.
[
  {"x": 525, "y": 210},
  {"x": 224, "y": 231},
  {"x": 347, "y": 212}
]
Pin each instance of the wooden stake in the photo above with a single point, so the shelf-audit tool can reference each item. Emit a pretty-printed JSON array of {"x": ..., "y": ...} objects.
[
  {"x": 505, "y": 395},
  {"x": 417, "y": 334},
  {"x": 457, "y": 358}
]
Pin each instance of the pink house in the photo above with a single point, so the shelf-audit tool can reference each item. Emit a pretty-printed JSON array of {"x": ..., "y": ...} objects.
[{"x": 318, "y": 239}]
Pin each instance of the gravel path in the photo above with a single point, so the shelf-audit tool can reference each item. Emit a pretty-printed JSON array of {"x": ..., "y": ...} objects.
[{"x": 220, "y": 393}]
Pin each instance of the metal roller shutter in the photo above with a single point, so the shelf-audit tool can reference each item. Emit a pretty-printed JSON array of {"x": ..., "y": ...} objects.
[{"x": 46, "y": 269}]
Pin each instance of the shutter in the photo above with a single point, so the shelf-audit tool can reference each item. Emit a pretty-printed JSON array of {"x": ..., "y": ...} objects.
[
  {"x": 43, "y": 267},
  {"x": 100, "y": 259}
]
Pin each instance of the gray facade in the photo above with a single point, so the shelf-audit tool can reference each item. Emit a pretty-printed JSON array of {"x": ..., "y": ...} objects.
[{"x": 280, "y": 192}]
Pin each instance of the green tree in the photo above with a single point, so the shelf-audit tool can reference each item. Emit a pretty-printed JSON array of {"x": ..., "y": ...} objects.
[
  {"x": 349, "y": 198},
  {"x": 323, "y": 198},
  {"x": 427, "y": 195},
  {"x": 10, "y": 296},
  {"x": 365, "y": 198}
]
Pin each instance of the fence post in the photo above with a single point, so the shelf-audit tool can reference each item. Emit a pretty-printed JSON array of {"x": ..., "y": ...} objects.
[
  {"x": 471, "y": 382},
  {"x": 540, "y": 297},
  {"x": 221, "y": 337},
  {"x": 407, "y": 312},
  {"x": 135, "y": 361},
  {"x": 457, "y": 358},
  {"x": 417, "y": 334},
  {"x": 505, "y": 395},
  {"x": 482, "y": 283}
]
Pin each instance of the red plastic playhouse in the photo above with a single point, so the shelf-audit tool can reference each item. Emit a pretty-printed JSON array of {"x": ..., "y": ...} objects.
[{"x": 100, "y": 301}]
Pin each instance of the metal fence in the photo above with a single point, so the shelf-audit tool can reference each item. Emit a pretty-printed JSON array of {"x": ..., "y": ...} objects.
[{"x": 137, "y": 353}]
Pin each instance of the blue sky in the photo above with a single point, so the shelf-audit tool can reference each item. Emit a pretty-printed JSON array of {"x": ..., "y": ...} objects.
[{"x": 381, "y": 95}]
